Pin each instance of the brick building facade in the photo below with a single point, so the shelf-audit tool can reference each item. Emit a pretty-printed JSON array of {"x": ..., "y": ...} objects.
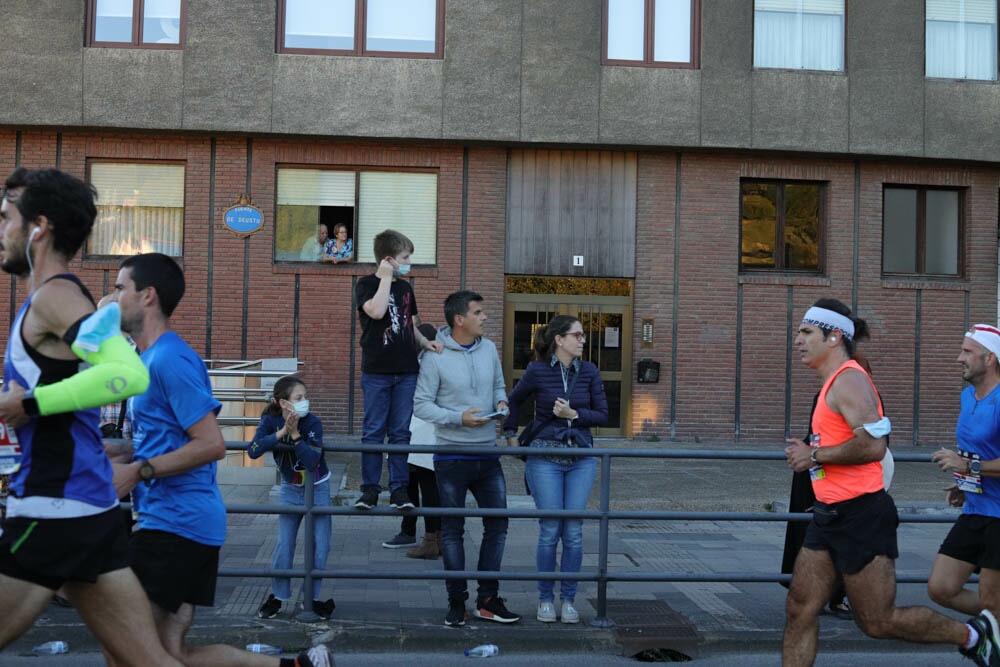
[{"x": 234, "y": 112}]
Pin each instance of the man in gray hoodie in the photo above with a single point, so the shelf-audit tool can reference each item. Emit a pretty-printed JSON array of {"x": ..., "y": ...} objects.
[{"x": 455, "y": 389}]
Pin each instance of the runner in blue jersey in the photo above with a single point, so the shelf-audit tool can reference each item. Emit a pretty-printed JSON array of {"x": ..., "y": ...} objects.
[
  {"x": 177, "y": 441},
  {"x": 63, "y": 527},
  {"x": 974, "y": 541}
]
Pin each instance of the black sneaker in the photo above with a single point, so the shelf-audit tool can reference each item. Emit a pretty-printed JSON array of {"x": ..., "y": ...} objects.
[
  {"x": 400, "y": 499},
  {"x": 399, "y": 541},
  {"x": 324, "y": 609},
  {"x": 270, "y": 608},
  {"x": 986, "y": 651},
  {"x": 493, "y": 609},
  {"x": 456, "y": 614},
  {"x": 317, "y": 656},
  {"x": 368, "y": 500}
]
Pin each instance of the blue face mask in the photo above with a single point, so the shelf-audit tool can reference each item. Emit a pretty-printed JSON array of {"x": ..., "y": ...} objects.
[
  {"x": 301, "y": 407},
  {"x": 403, "y": 270}
]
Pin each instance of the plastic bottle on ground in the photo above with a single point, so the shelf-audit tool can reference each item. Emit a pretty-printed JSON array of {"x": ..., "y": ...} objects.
[
  {"x": 51, "y": 648},
  {"x": 266, "y": 649},
  {"x": 484, "y": 651}
]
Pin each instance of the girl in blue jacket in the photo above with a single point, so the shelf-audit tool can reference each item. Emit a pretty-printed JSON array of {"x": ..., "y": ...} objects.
[
  {"x": 569, "y": 399},
  {"x": 287, "y": 421}
]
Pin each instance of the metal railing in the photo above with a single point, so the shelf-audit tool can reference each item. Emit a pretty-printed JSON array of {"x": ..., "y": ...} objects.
[{"x": 603, "y": 515}]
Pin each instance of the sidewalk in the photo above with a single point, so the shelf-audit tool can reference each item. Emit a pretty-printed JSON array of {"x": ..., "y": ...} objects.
[{"x": 695, "y": 619}]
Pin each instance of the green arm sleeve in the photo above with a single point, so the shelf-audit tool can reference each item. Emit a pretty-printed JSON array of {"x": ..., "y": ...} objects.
[{"x": 116, "y": 372}]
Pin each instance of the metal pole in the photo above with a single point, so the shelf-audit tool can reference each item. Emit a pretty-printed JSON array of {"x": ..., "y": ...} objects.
[
  {"x": 308, "y": 544},
  {"x": 602, "y": 620}
]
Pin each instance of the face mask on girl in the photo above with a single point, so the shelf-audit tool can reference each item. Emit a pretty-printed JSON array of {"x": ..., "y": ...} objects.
[{"x": 301, "y": 407}]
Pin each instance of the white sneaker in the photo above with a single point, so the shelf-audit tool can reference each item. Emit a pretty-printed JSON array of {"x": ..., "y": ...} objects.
[
  {"x": 317, "y": 656},
  {"x": 569, "y": 613},
  {"x": 546, "y": 612}
]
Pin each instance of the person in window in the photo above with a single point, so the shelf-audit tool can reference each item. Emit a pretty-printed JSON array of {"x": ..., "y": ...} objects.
[
  {"x": 315, "y": 247},
  {"x": 339, "y": 248},
  {"x": 569, "y": 400}
]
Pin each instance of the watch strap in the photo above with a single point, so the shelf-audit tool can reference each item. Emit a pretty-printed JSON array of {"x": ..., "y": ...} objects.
[{"x": 30, "y": 404}]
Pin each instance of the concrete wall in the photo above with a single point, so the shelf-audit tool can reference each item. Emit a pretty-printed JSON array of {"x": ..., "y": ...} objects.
[{"x": 513, "y": 71}]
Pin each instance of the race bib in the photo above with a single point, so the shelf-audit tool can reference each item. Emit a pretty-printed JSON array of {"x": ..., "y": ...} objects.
[
  {"x": 10, "y": 450},
  {"x": 969, "y": 483},
  {"x": 816, "y": 472}
]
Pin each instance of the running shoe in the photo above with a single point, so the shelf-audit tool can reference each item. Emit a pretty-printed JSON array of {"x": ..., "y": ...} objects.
[
  {"x": 400, "y": 499},
  {"x": 399, "y": 541},
  {"x": 494, "y": 609},
  {"x": 546, "y": 612},
  {"x": 368, "y": 500},
  {"x": 986, "y": 651},
  {"x": 317, "y": 656},
  {"x": 270, "y": 608},
  {"x": 456, "y": 614},
  {"x": 569, "y": 613},
  {"x": 324, "y": 609}
]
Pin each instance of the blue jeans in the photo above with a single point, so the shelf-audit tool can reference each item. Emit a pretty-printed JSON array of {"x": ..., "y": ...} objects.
[
  {"x": 556, "y": 487},
  {"x": 388, "y": 409},
  {"x": 484, "y": 478},
  {"x": 288, "y": 528}
]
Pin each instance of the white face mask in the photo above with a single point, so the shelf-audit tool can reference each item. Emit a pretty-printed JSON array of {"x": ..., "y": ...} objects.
[
  {"x": 301, "y": 407},
  {"x": 403, "y": 270}
]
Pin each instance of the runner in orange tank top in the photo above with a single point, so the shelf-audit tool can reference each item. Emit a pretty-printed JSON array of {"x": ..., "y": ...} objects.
[{"x": 853, "y": 529}]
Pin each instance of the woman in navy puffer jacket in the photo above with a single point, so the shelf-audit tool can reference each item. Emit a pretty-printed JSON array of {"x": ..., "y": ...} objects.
[{"x": 569, "y": 399}]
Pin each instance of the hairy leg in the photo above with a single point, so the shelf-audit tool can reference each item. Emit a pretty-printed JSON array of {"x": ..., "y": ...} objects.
[
  {"x": 872, "y": 593},
  {"x": 812, "y": 582}
]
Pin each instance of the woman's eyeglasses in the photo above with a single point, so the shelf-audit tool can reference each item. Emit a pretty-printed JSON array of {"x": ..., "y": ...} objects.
[{"x": 580, "y": 336}]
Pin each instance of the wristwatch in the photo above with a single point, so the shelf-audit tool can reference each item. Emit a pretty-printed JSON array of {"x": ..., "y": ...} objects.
[
  {"x": 146, "y": 471},
  {"x": 975, "y": 466},
  {"x": 812, "y": 455},
  {"x": 29, "y": 404}
]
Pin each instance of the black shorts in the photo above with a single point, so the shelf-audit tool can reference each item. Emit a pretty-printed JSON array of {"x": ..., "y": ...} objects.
[
  {"x": 855, "y": 531},
  {"x": 974, "y": 539},
  {"x": 50, "y": 552},
  {"x": 174, "y": 570}
]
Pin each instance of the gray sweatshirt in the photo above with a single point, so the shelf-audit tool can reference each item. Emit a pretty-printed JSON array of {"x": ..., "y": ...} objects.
[{"x": 456, "y": 380}]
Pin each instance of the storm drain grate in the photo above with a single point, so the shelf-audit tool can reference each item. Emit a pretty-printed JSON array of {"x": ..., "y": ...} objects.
[{"x": 651, "y": 631}]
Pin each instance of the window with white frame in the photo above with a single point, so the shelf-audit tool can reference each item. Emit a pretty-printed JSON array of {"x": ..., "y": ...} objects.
[
  {"x": 400, "y": 28},
  {"x": 921, "y": 230},
  {"x": 651, "y": 32},
  {"x": 365, "y": 202},
  {"x": 961, "y": 39},
  {"x": 799, "y": 34},
  {"x": 136, "y": 23},
  {"x": 140, "y": 208}
]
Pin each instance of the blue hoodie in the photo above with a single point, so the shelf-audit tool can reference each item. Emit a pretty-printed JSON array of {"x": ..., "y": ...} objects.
[{"x": 308, "y": 451}]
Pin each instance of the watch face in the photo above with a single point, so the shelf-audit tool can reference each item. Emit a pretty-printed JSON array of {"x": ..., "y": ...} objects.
[{"x": 975, "y": 467}]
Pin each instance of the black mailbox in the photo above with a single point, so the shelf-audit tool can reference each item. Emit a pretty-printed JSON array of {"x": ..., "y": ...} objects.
[{"x": 649, "y": 370}]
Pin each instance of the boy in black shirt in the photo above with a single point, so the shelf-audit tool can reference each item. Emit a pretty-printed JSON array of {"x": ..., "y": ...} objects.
[{"x": 390, "y": 340}]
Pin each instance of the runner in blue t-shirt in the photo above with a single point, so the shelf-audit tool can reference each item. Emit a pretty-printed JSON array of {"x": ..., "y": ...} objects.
[
  {"x": 182, "y": 519},
  {"x": 974, "y": 541}
]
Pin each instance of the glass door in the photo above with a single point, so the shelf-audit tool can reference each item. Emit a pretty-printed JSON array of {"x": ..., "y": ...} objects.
[{"x": 607, "y": 321}]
